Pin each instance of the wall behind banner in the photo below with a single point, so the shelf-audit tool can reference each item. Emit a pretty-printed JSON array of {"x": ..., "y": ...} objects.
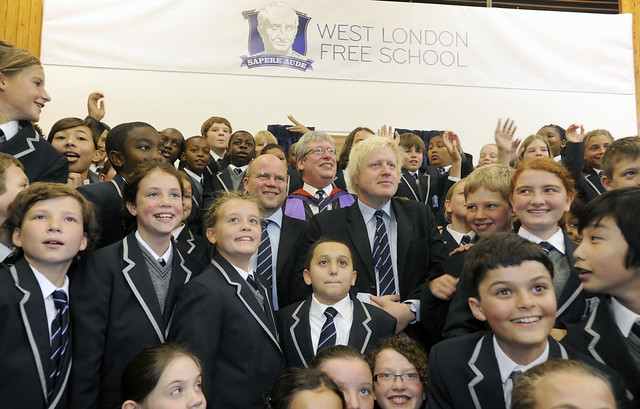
[{"x": 184, "y": 101}]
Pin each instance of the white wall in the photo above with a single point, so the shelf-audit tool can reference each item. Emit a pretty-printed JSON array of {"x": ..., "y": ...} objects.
[{"x": 185, "y": 100}]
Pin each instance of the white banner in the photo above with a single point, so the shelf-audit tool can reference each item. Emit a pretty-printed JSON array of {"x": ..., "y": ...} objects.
[{"x": 353, "y": 40}]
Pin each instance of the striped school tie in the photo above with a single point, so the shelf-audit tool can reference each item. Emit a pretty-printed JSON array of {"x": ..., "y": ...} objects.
[
  {"x": 382, "y": 257},
  {"x": 328, "y": 333},
  {"x": 265, "y": 261},
  {"x": 60, "y": 335}
]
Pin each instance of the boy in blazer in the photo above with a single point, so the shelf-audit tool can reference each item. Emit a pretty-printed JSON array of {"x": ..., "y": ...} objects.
[
  {"x": 608, "y": 261},
  {"x": 510, "y": 280},
  {"x": 306, "y": 328},
  {"x": 50, "y": 224},
  {"x": 225, "y": 315}
]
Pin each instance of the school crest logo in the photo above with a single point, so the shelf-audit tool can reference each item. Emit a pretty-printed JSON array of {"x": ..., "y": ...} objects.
[{"x": 277, "y": 37}]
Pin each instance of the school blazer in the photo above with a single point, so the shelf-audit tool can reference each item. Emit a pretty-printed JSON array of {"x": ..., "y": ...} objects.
[
  {"x": 291, "y": 234},
  {"x": 464, "y": 372},
  {"x": 220, "y": 183},
  {"x": 194, "y": 246},
  {"x": 116, "y": 315},
  {"x": 41, "y": 161},
  {"x": 420, "y": 249},
  {"x": 107, "y": 199},
  {"x": 219, "y": 318},
  {"x": 589, "y": 186},
  {"x": 574, "y": 304},
  {"x": 600, "y": 337},
  {"x": 24, "y": 335},
  {"x": 369, "y": 324}
]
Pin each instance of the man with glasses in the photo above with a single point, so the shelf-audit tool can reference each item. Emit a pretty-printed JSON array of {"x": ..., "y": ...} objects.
[{"x": 316, "y": 158}]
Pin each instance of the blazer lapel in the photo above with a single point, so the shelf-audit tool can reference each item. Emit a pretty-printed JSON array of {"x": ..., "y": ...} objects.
[
  {"x": 425, "y": 186},
  {"x": 225, "y": 179},
  {"x": 410, "y": 181},
  {"x": 360, "y": 333},
  {"x": 360, "y": 239},
  {"x": 137, "y": 277},
  {"x": 289, "y": 233},
  {"x": 300, "y": 332},
  {"x": 34, "y": 319},
  {"x": 486, "y": 386},
  {"x": 264, "y": 317}
]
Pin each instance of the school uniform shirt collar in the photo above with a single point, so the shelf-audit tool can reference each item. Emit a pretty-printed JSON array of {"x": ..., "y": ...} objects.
[
  {"x": 244, "y": 274},
  {"x": 176, "y": 232},
  {"x": 558, "y": 158},
  {"x": 4, "y": 252},
  {"x": 243, "y": 168},
  {"x": 46, "y": 286},
  {"x": 215, "y": 156},
  {"x": 507, "y": 365},
  {"x": 10, "y": 129},
  {"x": 557, "y": 240},
  {"x": 343, "y": 307},
  {"x": 624, "y": 317},
  {"x": 342, "y": 320},
  {"x": 312, "y": 190},
  {"x": 458, "y": 236},
  {"x": 193, "y": 175},
  {"x": 164, "y": 256}
]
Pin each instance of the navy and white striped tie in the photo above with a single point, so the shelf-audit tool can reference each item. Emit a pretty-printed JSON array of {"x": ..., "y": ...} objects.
[
  {"x": 265, "y": 261},
  {"x": 382, "y": 258},
  {"x": 328, "y": 333},
  {"x": 60, "y": 335}
]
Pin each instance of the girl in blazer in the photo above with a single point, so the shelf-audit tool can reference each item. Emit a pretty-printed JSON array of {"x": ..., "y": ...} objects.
[
  {"x": 126, "y": 291},
  {"x": 225, "y": 315},
  {"x": 22, "y": 97}
]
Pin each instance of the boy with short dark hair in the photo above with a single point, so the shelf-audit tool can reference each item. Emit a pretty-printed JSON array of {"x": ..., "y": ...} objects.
[
  {"x": 510, "y": 279},
  {"x": 50, "y": 224},
  {"x": 608, "y": 259},
  {"x": 330, "y": 316},
  {"x": 195, "y": 156},
  {"x": 621, "y": 164},
  {"x": 127, "y": 145}
]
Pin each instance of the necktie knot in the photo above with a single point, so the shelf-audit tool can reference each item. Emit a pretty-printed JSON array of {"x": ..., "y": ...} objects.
[
  {"x": 466, "y": 239},
  {"x": 59, "y": 299},
  {"x": 320, "y": 194},
  {"x": 162, "y": 262},
  {"x": 546, "y": 246},
  {"x": 330, "y": 313},
  {"x": 238, "y": 171},
  {"x": 3, "y": 138},
  {"x": 635, "y": 328},
  {"x": 265, "y": 223},
  {"x": 379, "y": 215}
]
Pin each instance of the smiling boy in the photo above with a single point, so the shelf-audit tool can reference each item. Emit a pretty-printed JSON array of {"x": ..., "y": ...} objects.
[
  {"x": 510, "y": 282},
  {"x": 330, "y": 316},
  {"x": 621, "y": 164}
]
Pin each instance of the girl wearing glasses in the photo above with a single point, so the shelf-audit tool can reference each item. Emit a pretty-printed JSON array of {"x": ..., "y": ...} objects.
[{"x": 399, "y": 368}]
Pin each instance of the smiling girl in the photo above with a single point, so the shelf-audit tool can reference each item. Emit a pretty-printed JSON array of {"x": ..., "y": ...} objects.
[
  {"x": 127, "y": 291},
  {"x": 74, "y": 138},
  {"x": 22, "y": 97}
]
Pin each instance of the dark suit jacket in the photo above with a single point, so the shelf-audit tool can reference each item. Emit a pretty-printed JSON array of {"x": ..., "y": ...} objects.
[
  {"x": 573, "y": 304},
  {"x": 369, "y": 325},
  {"x": 599, "y": 336},
  {"x": 41, "y": 161},
  {"x": 588, "y": 186},
  {"x": 107, "y": 199},
  {"x": 420, "y": 247},
  {"x": 219, "y": 318},
  {"x": 24, "y": 335},
  {"x": 291, "y": 234},
  {"x": 221, "y": 182},
  {"x": 116, "y": 315},
  {"x": 464, "y": 372},
  {"x": 295, "y": 181}
]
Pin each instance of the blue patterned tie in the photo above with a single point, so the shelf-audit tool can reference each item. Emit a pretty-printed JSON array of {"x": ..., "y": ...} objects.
[
  {"x": 382, "y": 257},
  {"x": 265, "y": 261},
  {"x": 59, "y": 337},
  {"x": 328, "y": 333},
  {"x": 465, "y": 240},
  {"x": 321, "y": 203}
]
